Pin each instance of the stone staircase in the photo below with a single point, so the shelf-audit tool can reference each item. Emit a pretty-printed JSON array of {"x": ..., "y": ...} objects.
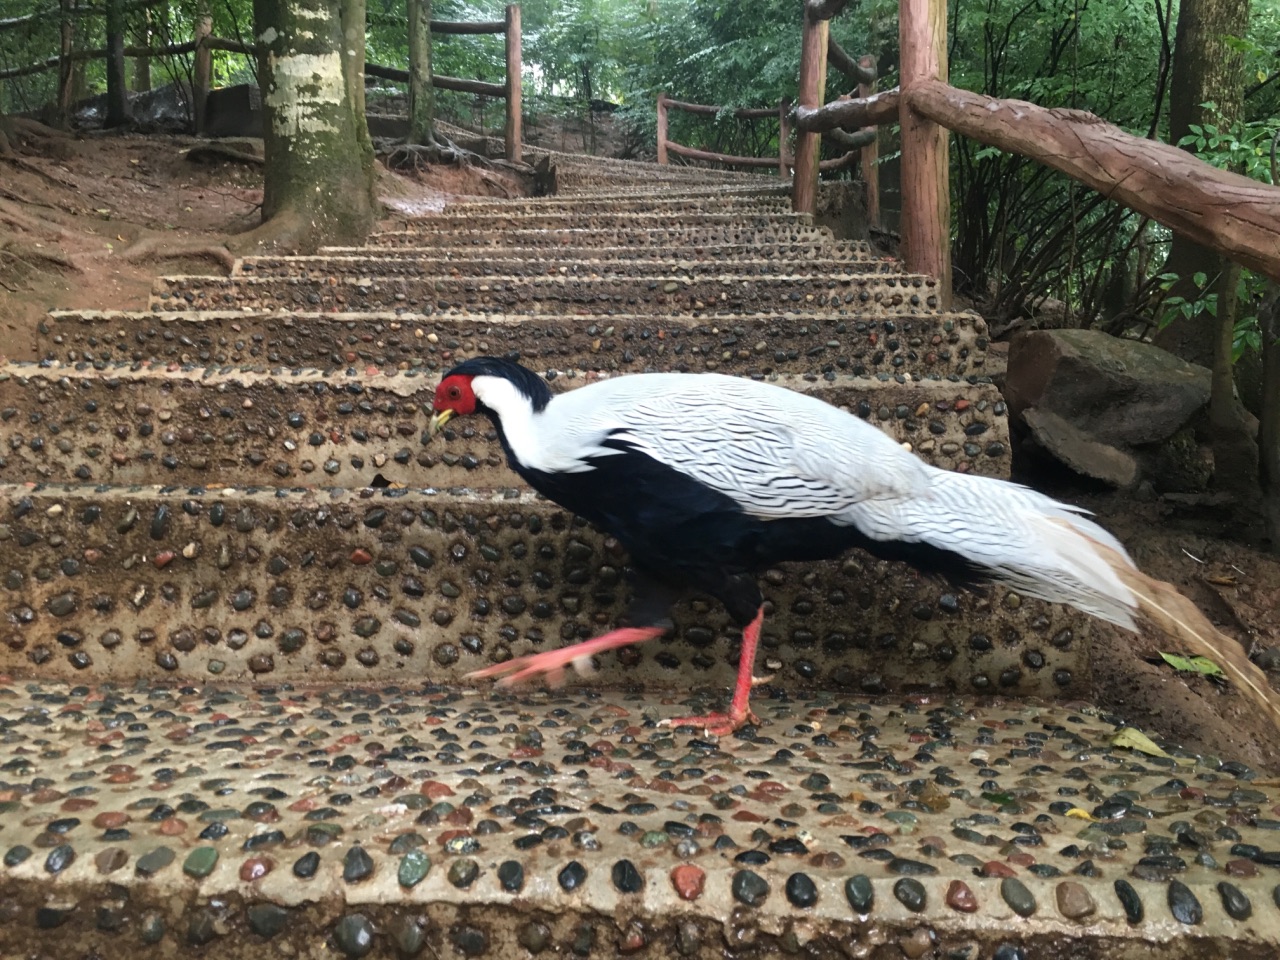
[{"x": 242, "y": 586}]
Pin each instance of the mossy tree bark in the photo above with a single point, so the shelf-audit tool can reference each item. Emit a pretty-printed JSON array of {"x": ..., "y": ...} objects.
[
  {"x": 422, "y": 95},
  {"x": 318, "y": 177},
  {"x": 354, "y": 23},
  {"x": 1207, "y": 68}
]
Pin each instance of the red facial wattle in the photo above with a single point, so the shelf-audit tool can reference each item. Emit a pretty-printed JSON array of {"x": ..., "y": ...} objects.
[{"x": 454, "y": 397}]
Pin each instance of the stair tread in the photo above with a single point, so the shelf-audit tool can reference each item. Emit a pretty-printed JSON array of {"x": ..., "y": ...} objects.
[{"x": 358, "y": 767}]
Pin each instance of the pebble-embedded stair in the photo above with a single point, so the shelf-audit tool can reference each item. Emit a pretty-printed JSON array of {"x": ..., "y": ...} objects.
[{"x": 241, "y": 587}]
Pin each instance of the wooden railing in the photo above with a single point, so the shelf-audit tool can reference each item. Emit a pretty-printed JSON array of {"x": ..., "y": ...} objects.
[
  {"x": 783, "y": 161},
  {"x": 1234, "y": 215},
  {"x": 203, "y": 44}
]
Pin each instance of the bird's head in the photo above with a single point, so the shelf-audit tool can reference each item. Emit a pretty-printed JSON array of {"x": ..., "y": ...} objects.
[{"x": 465, "y": 389}]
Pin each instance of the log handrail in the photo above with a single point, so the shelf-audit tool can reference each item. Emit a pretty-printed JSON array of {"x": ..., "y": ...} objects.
[
  {"x": 852, "y": 113},
  {"x": 782, "y": 112},
  {"x": 1231, "y": 213}
]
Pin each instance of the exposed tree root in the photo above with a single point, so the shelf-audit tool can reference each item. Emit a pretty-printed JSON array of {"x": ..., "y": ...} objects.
[
  {"x": 286, "y": 231},
  {"x": 20, "y": 221},
  {"x": 35, "y": 168},
  {"x": 216, "y": 152},
  {"x": 160, "y": 248}
]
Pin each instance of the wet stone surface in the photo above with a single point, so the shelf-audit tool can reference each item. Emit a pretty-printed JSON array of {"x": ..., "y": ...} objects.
[{"x": 814, "y": 811}]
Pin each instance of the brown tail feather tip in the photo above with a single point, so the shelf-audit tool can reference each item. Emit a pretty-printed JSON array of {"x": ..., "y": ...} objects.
[{"x": 1177, "y": 616}]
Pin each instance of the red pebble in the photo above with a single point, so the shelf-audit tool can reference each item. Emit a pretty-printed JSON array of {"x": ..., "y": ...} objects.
[
  {"x": 360, "y": 556},
  {"x": 994, "y": 868},
  {"x": 255, "y": 868},
  {"x": 688, "y": 881},
  {"x": 960, "y": 897}
]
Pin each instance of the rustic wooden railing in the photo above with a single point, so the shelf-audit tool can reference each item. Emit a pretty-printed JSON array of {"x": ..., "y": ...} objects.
[
  {"x": 203, "y": 44},
  {"x": 1237, "y": 216},
  {"x": 782, "y": 112}
]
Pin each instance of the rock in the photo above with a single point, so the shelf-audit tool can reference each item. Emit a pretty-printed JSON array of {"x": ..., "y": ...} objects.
[
  {"x": 1073, "y": 447},
  {"x": 1117, "y": 392}
]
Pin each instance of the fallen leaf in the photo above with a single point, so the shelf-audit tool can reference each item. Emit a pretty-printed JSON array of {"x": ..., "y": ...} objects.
[
  {"x": 1196, "y": 664},
  {"x": 1130, "y": 738},
  {"x": 1082, "y": 814}
]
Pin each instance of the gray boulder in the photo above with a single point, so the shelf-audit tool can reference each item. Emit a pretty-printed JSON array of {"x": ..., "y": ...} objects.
[{"x": 1117, "y": 392}]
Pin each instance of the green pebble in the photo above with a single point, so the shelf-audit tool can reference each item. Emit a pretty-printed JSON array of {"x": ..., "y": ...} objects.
[
  {"x": 653, "y": 838},
  {"x": 152, "y": 863},
  {"x": 200, "y": 862},
  {"x": 414, "y": 867}
]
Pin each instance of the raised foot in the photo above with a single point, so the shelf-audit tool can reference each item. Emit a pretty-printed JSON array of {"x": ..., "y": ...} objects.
[
  {"x": 715, "y": 724},
  {"x": 551, "y": 663}
]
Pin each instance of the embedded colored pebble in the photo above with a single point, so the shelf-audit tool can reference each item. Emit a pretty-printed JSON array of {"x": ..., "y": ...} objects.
[
  {"x": 1074, "y": 900},
  {"x": 688, "y": 881},
  {"x": 960, "y": 896},
  {"x": 1183, "y": 904},
  {"x": 860, "y": 893},
  {"x": 200, "y": 862},
  {"x": 572, "y": 876},
  {"x": 357, "y": 865},
  {"x": 749, "y": 887},
  {"x": 354, "y": 935},
  {"x": 151, "y": 863},
  {"x": 1130, "y": 901},
  {"x": 304, "y": 868},
  {"x": 463, "y": 873},
  {"x": 1234, "y": 901},
  {"x": 1017, "y": 896},
  {"x": 413, "y": 869},
  {"x": 801, "y": 891},
  {"x": 911, "y": 894},
  {"x": 626, "y": 878},
  {"x": 511, "y": 876}
]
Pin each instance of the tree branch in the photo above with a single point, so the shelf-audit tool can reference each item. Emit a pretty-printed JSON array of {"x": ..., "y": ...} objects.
[
  {"x": 825, "y": 9},
  {"x": 855, "y": 71}
]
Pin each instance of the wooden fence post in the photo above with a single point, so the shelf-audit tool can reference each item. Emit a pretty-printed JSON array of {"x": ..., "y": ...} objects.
[
  {"x": 662, "y": 128},
  {"x": 202, "y": 72},
  {"x": 784, "y": 138},
  {"x": 514, "y": 67},
  {"x": 926, "y": 199},
  {"x": 813, "y": 78},
  {"x": 870, "y": 154}
]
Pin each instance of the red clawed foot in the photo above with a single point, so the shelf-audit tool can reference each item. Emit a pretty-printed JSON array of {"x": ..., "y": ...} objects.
[
  {"x": 715, "y": 724},
  {"x": 551, "y": 663},
  {"x": 739, "y": 715}
]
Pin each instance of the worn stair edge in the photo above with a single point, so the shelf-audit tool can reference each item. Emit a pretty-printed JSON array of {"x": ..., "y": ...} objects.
[
  {"x": 732, "y": 194},
  {"x": 123, "y": 425},
  {"x": 573, "y": 208},
  {"x": 583, "y": 260},
  {"x": 832, "y": 249},
  {"x": 558, "y": 265},
  {"x": 661, "y": 236},
  {"x": 850, "y": 295},
  {"x": 348, "y": 585},
  {"x": 212, "y": 794},
  {"x": 910, "y": 348},
  {"x": 443, "y": 226}
]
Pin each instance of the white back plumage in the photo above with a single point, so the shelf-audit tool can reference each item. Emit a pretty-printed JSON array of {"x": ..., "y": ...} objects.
[{"x": 782, "y": 454}]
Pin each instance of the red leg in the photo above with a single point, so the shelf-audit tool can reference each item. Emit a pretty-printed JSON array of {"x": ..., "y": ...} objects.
[
  {"x": 723, "y": 724},
  {"x": 553, "y": 662}
]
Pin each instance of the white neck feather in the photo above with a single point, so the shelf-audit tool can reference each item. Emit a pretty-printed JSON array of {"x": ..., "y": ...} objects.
[{"x": 519, "y": 422}]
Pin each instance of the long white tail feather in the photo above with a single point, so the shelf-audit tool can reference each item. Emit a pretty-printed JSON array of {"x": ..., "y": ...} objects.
[{"x": 1048, "y": 550}]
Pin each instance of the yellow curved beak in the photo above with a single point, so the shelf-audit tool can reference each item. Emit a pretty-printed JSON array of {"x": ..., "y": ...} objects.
[{"x": 438, "y": 420}]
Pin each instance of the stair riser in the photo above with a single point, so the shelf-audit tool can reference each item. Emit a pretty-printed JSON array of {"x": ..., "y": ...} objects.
[
  {"x": 850, "y": 296},
  {"x": 943, "y": 346},
  {"x": 354, "y": 269},
  {"x": 323, "y": 585},
  {"x": 575, "y": 208},
  {"x": 251, "y": 429}
]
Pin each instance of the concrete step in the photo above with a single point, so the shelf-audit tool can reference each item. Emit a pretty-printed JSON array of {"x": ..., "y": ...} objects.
[
  {"x": 816, "y": 248},
  {"x": 301, "y": 584},
  {"x": 847, "y": 295},
  {"x": 558, "y": 264},
  {"x": 948, "y": 346},
  {"x": 606, "y": 220},
  {"x": 220, "y": 821},
  {"x": 676, "y": 207},
  {"x": 125, "y": 425},
  {"x": 734, "y": 193},
  {"x": 664, "y": 237}
]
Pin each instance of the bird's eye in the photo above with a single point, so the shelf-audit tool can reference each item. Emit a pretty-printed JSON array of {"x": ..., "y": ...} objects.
[{"x": 455, "y": 393}]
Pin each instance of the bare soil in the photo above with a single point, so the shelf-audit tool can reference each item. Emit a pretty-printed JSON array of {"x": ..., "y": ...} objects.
[{"x": 87, "y": 222}]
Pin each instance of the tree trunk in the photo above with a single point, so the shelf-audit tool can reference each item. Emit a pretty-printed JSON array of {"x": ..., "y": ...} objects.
[
  {"x": 318, "y": 182},
  {"x": 422, "y": 96},
  {"x": 1269, "y": 429},
  {"x": 117, "y": 91},
  {"x": 65, "y": 75},
  {"x": 354, "y": 22},
  {"x": 1206, "y": 69},
  {"x": 1235, "y": 454},
  {"x": 142, "y": 65}
]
